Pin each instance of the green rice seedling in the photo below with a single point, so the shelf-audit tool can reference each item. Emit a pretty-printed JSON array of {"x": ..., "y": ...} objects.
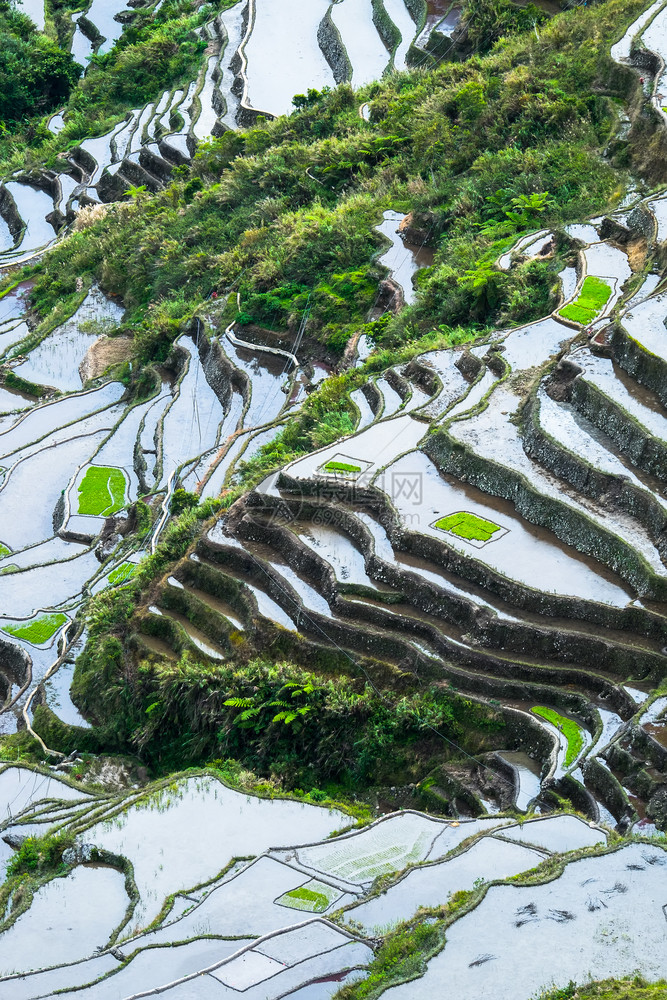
[
  {"x": 468, "y": 526},
  {"x": 39, "y": 630},
  {"x": 569, "y": 729},
  {"x": 592, "y": 298},
  {"x": 102, "y": 491},
  {"x": 316, "y": 899},
  {"x": 341, "y": 467}
]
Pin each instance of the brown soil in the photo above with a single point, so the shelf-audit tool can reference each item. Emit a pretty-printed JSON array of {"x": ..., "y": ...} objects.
[
  {"x": 104, "y": 352},
  {"x": 636, "y": 251}
]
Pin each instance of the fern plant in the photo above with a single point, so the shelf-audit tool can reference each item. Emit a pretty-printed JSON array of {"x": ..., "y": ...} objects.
[{"x": 253, "y": 711}]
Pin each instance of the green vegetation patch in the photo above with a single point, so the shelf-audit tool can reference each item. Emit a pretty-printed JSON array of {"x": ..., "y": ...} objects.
[
  {"x": 569, "y": 729},
  {"x": 39, "y": 630},
  {"x": 592, "y": 298},
  {"x": 102, "y": 491},
  {"x": 122, "y": 573},
  {"x": 314, "y": 897},
  {"x": 342, "y": 467},
  {"x": 611, "y": 989},
  {"x": 276, "y": 718},
  {"x": 36, "y": 75},
  {"x": 505, "y": 156},
  {"x": 39, "y": 856},
  {"x": 468, "y": 526},
  {"x": 4, "y": 551}
]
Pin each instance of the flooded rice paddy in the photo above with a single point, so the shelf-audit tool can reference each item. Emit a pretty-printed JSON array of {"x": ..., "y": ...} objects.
[
  {"x": 519, "y": 940},
  {"x": 232, "y": 923}
]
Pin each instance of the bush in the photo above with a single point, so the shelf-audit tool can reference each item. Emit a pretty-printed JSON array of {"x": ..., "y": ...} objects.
[
  {"x": 35, "y": 75},
  {"x": 39, "y": 855}
]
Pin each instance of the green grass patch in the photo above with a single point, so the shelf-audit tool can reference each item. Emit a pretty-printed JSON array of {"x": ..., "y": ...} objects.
[
  {"x": 18, "y": 384},
  {"x": 102, "y": 491},
  {"x": 341, "y": 467},
  {"x": 611, "y": 989},
  {"x": 38, "y": 631},
  {"x": 468, "y": 526},
  {"x": 592, "y": 298},
  {"x": 122, "y": 573},
  {"x": 4, "y": 551},
  {"x": 569, "y": 729}
]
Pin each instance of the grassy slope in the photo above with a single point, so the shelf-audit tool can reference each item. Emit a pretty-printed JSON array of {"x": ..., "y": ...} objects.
[
  {"x": 154, "y": 54},
  {"x": 518, "y": 131}
]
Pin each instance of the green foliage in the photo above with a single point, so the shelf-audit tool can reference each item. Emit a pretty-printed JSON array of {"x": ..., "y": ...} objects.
[
  {"x": 13, "y": 381},
  {"x": 401, "y": 958},
  {"x": 527, "y": 119},
  {"x": 302, "y": 727},
  {"x": 152, "y": 53},
  {"x": 39, "y": 856},
  {"x": 144, "y": 518},
  {"x": 155, "y": 52},
  {"x": 20, "y": 747},
  {"x": 330, "y": 427},
  {"x": 467, "y": 525},
  {"x": 274, "y": 309},
  {"x": 182, "y": 500},
  {"x": 594, "y": 295},
  {"x": 35, "y": 75},
  {"x": 102, "y": 490},
  {"x": 38, "y": 630},
  {"x": 4, "y": 551},
  {"x": 122, "y": 573},
  {"x": 526, "y": 208},
  {"x": 291, "y": 714},
  {"x": 611, "y": 989},
  {"x": 178, "y": 536},
  {"x": 488, "y": 20},
  {"x": 310, "y": 98},
  {"x": 569, "y": 729}
]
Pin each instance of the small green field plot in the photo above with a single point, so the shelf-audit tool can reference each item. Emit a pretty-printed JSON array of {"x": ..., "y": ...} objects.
[
  {"x": 37, "y": 631},
  {"x": 592, "y": 298},
  {"x": 4, "y": 551},
  {"x": 102, "y": 491},
  {"x": 314, "y": 897},
  {"x": 344, "y": 466},
  {"x": 569, "y": 729},
  {"x": 122, "y": 573},
  {"x": 341, "y": 467},
  {"x": 469, "y": 526}
]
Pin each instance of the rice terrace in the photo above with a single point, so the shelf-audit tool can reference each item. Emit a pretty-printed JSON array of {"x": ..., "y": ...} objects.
[{"x": 333, "y": 499}]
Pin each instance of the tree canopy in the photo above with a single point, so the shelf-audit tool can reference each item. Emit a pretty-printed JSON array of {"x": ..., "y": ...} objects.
[{"x": 35, "y": 74}]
